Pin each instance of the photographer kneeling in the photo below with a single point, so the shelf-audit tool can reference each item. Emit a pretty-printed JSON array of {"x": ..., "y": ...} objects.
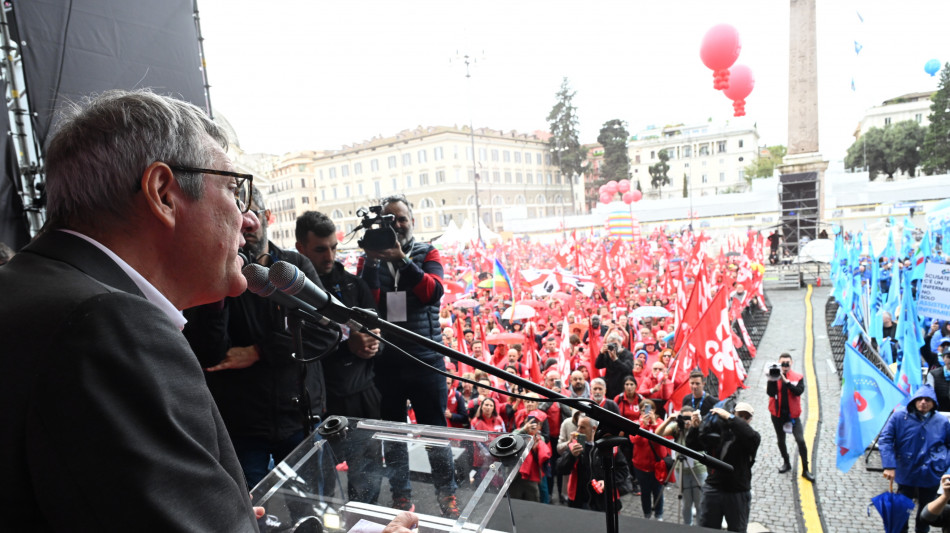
[{"x": 732, "y": 440}]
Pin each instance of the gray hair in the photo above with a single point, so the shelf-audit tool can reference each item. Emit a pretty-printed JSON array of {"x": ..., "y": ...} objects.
[
  {"x": 96, "y": 157},
  {"x": 601, "y": 381}
]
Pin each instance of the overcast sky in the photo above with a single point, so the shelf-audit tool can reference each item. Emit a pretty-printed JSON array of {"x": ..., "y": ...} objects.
[{"x": 306, "y": 74}]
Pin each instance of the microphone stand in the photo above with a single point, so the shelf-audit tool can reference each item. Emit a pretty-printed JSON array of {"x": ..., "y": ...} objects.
[{"x": 369, "y": 319}]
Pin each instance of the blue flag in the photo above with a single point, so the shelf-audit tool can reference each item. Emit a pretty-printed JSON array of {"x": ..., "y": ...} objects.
[
  {"x": 889, "y": 249},
  {"x": 867, "y": 399},
  {"x": 909, "y": 336}
]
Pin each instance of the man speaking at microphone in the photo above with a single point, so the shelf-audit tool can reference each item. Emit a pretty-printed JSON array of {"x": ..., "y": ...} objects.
[
  {"x": 248, "y": 354},
  {"x": 407, "y": 282}
]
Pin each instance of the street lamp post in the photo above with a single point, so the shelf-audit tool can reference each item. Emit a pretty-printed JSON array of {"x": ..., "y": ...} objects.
[{"x": 471, "y": 125}]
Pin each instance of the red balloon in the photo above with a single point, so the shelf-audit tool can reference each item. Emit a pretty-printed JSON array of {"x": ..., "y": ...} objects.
[
  {"x": 611, "y": 187},
  {"x": 339, "y": 235},
  {"x": 623, "y": 186},
  {"x": 719, "y": 51},
  {"x": 628, "y": 197},
  {"x": 606, "y": 197},
  {"x": 637, "y": 195},
  {"x": 740, "y": 86}
]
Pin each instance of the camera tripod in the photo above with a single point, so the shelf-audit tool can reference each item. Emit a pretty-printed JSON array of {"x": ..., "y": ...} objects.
[{"x": 680, "y": 460}]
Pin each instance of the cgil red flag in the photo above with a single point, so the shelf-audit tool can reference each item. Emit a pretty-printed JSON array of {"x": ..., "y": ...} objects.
[{"x": 711, "y": 342}]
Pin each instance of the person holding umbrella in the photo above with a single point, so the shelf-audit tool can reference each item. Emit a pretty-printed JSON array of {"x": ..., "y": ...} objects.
[{"x": 915, "y": 450}]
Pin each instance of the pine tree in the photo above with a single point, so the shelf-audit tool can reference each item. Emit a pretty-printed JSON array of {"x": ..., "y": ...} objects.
[
  {"x": 613, "y": 137},
  {"x": 564, "y": 143},
  {"x": 936, "y": 151}
]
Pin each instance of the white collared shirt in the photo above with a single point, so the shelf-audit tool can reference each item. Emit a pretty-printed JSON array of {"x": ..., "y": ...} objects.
[{"x": 151, "y": 293}]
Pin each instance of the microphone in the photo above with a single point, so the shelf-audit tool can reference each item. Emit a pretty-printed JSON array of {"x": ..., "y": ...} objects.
[
  {"x": 259, "y": 284},
  {"x": 291, "y": 281}
]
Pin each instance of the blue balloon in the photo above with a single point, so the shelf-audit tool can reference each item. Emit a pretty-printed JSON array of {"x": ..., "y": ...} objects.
[{"x": 932, "y": 67}]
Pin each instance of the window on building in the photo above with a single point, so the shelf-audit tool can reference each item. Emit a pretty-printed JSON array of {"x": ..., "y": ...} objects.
[
  {"x": 421, "y": 156},
  {"x": 652, "y": 155},
  {"x": 557, "y": 178},
  {"x": 637, "y": 159},
  {"x": 499, "y": 217},
  {"x": 395, "y": 185},
  {"x": 720, "y": 147},
  {"x": 887, "y": 121},
  {"x": 919, "y": 118},
  {"x": 440, "y": 176},
  {"x": 468, "y": 153},
  {"x": 320, "y": 174},
  {"x": 722, "y": 177},
  {"x": 703, "y": 149},
  {"x": 303, "y": 183},
  {"x": 506, "y": 156},
  {"x": 741, "y": 174},
  {"x": 335, "y": 193},
  {"x": 671, "y": 153},
  {"x": 550, "y": 178},
  {"x": 305, "y": 200},
  {"x": 346, "y": 188},
  {"x": 471, "y": 175},
  {"x": 483, "y": 154},
  {"x": 507, "y": 177},
  {"x": 426, "y": 203},
  {"x": 406, "y": 160},
  {"x": 374, "y": 165},
  {"x": 378, "y": 188},
  {"x": 437, "y": 153},
  {"x": 359, "y": 189},
  {"x": 408, "y": 181},
  {"x": 705, "y": 180},
  {"x": 518, "y": 177},
  {"x": 392, "y": 161},
  {"x": 427, "y": 221},
  {"x": 357, "y": 168},
  {"x": 517, "y": 157},
  {"x": 323, "y": 195},
  {"x": 519, "y": 199},
  {"x": 423, "y": 179},
  {"x": 529, "y": 177},
  {"x": 496, "y": 176},
  {"x": 537, "y": 159},
  {"x": 332, "y": 173},
  {"x": 547, "y": 159},
  {"x": 494, "y": 155},
  {"x": 345, "y": 171},
  {"x": 687, "y": 151},
  {"x": 741, "y": 143}
]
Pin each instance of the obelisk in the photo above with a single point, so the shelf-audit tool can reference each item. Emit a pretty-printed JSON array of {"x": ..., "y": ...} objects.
[{"x": 803, "y": 169}]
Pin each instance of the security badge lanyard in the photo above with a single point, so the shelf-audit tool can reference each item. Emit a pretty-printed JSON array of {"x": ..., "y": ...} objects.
[{"x": 396, "y": 300}]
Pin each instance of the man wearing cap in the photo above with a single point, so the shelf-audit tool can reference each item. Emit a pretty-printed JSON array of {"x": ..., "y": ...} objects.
[
  {"x": 939, "y": 377},
  {"x": 729, "y": 494},
  {"x": 785, "y": 405},
  {"x": 526, "y": 486}
]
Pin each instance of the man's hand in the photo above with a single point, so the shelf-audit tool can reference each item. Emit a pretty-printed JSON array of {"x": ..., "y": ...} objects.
[
  {"x": 362, "y": 345},
  {"x": 391, "y": 254},
  {"x": 889, "y": 474},
  {"x": 576, "y": 448},
  {"x": 405, "y": 522},
  {"x": 238, "y": 357},
  {"x": 723, "y": 414}
]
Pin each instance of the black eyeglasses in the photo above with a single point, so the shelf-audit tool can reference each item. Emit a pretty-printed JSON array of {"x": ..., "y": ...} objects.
[{"x": 242, "y": 183}]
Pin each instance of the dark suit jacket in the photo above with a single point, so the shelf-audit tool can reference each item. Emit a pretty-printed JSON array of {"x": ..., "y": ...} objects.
[{"x": 105, "y": 420}]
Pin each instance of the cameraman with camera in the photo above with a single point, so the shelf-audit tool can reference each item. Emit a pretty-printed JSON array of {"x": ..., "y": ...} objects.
[
  {"x": 730, "y": 438},
  {"x": 406, "y": 277},
  {"x": 691, "y": 474},
  {"x": 785, "y": 388},
  {"x": 618, "y": 362}
]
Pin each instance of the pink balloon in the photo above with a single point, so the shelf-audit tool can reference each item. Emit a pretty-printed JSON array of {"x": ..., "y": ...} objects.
[
  {"x": 611, "y": 187},
  {"x": 628, "y": 197},
  {"x": 602, "y": 189},
  {"x": 637, "y": 195},
  {"x": 741, "y": 83},
  {"x": 623, "y": 186},
  {"x": 606, "y": 197},
  {"x": 719, "y": 51}
]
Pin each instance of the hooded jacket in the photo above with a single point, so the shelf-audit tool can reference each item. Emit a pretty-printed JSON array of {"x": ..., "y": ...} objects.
[{"x": 916, "y": 445}]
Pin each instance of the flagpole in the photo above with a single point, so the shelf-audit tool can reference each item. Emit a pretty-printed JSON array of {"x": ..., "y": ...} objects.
[{"x": 882, "y": 364}]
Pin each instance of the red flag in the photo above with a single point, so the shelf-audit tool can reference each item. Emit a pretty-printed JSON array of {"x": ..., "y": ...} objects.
[
  {"x": 679, "y": 393},
  {"x": 711, "y": 341}
]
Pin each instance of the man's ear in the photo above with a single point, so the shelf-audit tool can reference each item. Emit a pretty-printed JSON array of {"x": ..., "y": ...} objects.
[
  {"x": 162, "y": 193},
  {"x": 299, "y": 247}
]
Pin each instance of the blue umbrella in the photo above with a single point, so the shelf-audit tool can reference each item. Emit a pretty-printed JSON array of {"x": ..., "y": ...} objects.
[{"x": 894, "y": 508}]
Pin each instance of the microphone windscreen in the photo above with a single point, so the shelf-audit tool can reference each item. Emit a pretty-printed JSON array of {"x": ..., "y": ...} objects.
[
  {"x": 257, "y": 280},
  {"x": 286, "y": 277}
]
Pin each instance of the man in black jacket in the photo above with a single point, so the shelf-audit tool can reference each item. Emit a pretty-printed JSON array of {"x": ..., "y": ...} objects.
[
  {"x": 618, "y": 362},
  {"x": 267, "y": 397},
  {"x": 407, "y": 282},
  {"x": 729, "y": 494}
]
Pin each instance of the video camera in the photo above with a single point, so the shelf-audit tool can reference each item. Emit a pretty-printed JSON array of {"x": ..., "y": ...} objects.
[
  {"x": 379, "y": 234},
  {"x": 713, "y": 430},
  {"x": 775, "y": 373}
]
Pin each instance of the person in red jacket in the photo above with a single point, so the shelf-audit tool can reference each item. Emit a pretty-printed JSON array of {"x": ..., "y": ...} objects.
[
  {"x": 526, "y": 485},
  {"x": 657, "y": 386},
  {"x": 487, "y": 418},
  {"x": 645, "y": 456},
  {"x": 785, "y": 405}
]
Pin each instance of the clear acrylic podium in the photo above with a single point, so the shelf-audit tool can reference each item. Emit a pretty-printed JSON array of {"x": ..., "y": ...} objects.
[{"x": 337, "y": 480}]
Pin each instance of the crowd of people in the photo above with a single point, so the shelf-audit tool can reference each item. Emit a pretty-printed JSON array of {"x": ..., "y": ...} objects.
[{"x": 612, "y": 325}]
